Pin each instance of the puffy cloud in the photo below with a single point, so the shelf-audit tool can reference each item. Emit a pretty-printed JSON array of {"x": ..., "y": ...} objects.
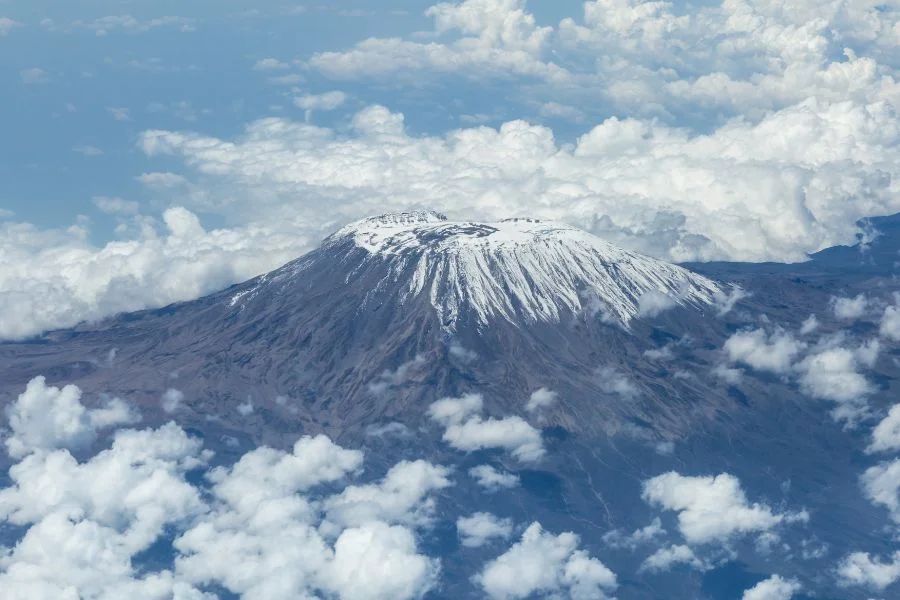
[
  {"x": 890, "y": 322},
  {"x": 46, "y": 418},
  {"x": 379, "y": 562},
  {"x": 833, "y": 374},
  {"x": 259, "y": 531},
  {"x": 643, "y": 185},
  {"x": 84, "y": 522},
  {"x": 774, "y": 588},
  {"x": 849, "y": 309},
  {"x": 859, "y": 568},
  {"x": 452, "y": 411},
  {"x": 764, "y": 352},
  {"x": 263, "y": 538},
  {"x": 498, "y": 36},
  {"x": 886, "y": 435},
  {"x": 487, "y": 173},
  {"x": 665, "y": 558},
  {"x": 403, "y": 496},
  {"x": 881, "y": 484},
  {"x": 512, "y": 434},
  {"x": 492, "y": 479},
  {"x": 547, "y": 564},
  {"x": 480, "y": 528},
  {"x": 326, "y": 101},
  {"x": 541, "y": 399},
  {"x": 711, "y": 509},
  {"x": 466, "y": 430},
  {"x": 54, "y": 279}
]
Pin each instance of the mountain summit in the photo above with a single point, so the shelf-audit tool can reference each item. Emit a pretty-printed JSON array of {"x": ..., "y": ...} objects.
[{"x": 516, "y": 269}]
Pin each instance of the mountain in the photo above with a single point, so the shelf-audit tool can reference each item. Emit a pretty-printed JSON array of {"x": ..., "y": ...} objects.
[
  {"x": 359, "y": 338},
  {"x": 538, "y": 303}
]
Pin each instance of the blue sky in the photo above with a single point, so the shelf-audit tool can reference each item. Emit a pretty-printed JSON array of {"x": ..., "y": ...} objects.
[{"x": 170, "y": 149}]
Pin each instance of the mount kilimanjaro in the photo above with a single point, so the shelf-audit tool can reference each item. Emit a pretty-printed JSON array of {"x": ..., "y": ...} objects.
[{"x": 360, "y": 337}]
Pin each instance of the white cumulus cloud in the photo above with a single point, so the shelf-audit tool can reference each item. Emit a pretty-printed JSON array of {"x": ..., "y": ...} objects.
[
  {"x": 480, "y": 528},
  {"x": 44, "y": 417},
  {"x": 546, "y": 564},
  {"x": 860, "y": 568},
  {"x": 774, "y": 588},
  {"x": 711, "y": 509},
  {"x": 466, "y": 430}
]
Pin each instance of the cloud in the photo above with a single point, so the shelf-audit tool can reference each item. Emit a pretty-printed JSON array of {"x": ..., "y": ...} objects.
[
  {"x": 890, "y": 322},
  {"x": 171, "y": 400},
  {"x": 119, "y": 113},
  {"x": 115, "y": 206},
  {"x": 711, "y": 509},
  {"x": 129, "y": 24},
  {"x": 466, "y": 430},
  {"x": 380, "y": 562},
  {"x": 886, "y": 435},
  {"x": 88, "y": 150},
  {"x": 482, "y": 172},
  {"x": 541, "y": 399},
  {"x": 726, "y": 301},
  {"x": 453, "y": 411},
  {"x": 849, "y": 309},
  {"x": 727, "y": 374},
  {"x": 547, "y": 564},
  {"x": 764, "y": 352},
  {"x": 47, "y": 418},
  {"x": 7, "y": 25},
  {"x": 617, "y": 383},
  {"x": 84, "y": 522},
  {"x": 512, "y": 434},
  {"x": 327, "y": 101},
  {"x": 881, "y": 485},
  {"x": 773, "y": 588},
  {"x": 54, "y": 279},
  {"x": 617, "y": 539},
  {"x": 491, "y": 479},
  {"x": 85, "y": 526},
  {"x": 403, "y": 496},
  {"x": 665, "y": 558},
  {"x": 34, "y": 75},
  {"x": 862, "y": 569},
  {"x": 480, "y": 528},
  {"x": 713, "y": 137},
  {"x": 391, "y": 379},
  {"x": 809, "y": 325},
  {"x": 497, "y": 36},
  {"x": 270, "y": 64},
  {"x": 654, "y": 303},
  {"x": 833, "y": 374}
]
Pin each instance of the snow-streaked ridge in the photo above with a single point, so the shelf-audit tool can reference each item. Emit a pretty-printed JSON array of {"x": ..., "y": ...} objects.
[{"x": 516, "y": 269}]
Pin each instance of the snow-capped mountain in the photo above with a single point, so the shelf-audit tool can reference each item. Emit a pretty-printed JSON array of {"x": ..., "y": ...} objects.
[
  {"x": 576, "y": 371},
  {"x": 519, "y": 270}
]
